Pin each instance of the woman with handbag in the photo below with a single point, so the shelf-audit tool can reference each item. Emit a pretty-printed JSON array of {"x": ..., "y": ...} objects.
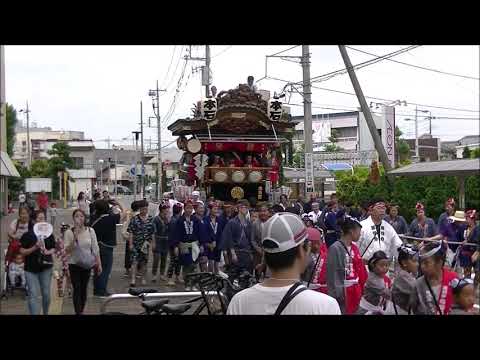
[
  {"x": 82, "y": 250},
  {"x": 38, "y": 266}
]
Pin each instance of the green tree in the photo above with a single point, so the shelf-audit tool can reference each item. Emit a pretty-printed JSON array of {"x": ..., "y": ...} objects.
[
  {"x": 299, "y": 157},
  {"x": 39, "y": 168},
  {"x": 466, "y": 152},
  {"x": 60, "y": 161},
  {"x": 11, "y": 123},
  {"x": 475, "y": 153},
  {"x": 402, "y": 149},
  {"x": 333, "y": 147},
  {"x": 407, "y": 191}
]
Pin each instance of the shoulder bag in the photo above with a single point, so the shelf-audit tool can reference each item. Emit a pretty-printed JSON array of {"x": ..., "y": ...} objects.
[
  {"x": 84, "y": 259},
  {"x": 289, "y": 296}
]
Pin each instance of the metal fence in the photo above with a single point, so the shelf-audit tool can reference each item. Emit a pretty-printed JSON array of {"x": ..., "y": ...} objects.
[{"x": 363, "y": 158}]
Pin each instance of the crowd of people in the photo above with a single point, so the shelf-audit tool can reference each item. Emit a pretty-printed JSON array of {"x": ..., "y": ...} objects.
[{"x": 338, "y": 259}]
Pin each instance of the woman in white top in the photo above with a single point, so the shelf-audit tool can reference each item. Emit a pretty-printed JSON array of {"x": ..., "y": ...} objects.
[{"x": 79, "y": 241}]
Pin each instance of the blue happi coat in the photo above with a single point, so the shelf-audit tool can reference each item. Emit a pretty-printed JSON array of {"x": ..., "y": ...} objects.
[
  {"x": 208, "y": 235},
  {"x": 183, "y": 233}
]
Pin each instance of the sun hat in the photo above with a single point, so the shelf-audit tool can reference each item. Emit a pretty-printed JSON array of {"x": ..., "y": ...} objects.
[
  {"x": 314, "y": 235},
  {"x": 282, "y": 232},
  {"x": 459, "y": 216}
]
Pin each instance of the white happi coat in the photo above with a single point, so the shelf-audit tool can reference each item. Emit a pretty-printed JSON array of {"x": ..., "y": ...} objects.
[{"x": 387, "y": 241}]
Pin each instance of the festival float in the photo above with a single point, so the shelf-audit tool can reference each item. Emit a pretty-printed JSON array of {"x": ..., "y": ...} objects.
[{"x": 233, "y": 144}]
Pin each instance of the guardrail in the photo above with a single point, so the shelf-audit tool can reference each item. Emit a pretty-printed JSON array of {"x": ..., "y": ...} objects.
[{"x": 154, "y": 296}]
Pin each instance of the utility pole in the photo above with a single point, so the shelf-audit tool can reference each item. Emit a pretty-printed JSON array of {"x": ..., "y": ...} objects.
[
  {"x": 307, "y": 122},
  {"x": 29, "y": 151},
  {"x": 207, "y": 70},
  {"x": 365, "y": 109},
  {"x": 417, "y": 152},
  {"x": 115, "y": 149},
  {"x": 142, "y": 179},
  {"x": 136, "y": 165},
  {"x": 155, "y": 94}
]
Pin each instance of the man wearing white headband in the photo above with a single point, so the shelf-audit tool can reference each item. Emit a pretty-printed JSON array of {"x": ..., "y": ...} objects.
[{"x": 378, "y": 234}]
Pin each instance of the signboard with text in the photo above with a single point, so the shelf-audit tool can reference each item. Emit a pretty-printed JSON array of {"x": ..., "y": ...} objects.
[{"x": 388, "y": 134}]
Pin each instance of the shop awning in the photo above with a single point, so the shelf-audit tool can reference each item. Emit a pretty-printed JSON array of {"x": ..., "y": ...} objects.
[
  {"x": 337, "y": 166},
  {"x": 6, "y": 167}
]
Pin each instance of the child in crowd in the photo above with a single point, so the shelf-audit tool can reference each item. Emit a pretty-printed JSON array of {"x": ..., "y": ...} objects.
[
  {"x": 16, "y": 271},
  {"x": 376, "y": 292},
  {"x": 463, "y": 297},
  {"x": 316, "y": 271},
  {"x": 404, "y": 284}
]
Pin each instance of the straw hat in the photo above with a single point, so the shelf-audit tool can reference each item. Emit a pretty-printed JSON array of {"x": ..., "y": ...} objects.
[{"x": 459, "y": 216}]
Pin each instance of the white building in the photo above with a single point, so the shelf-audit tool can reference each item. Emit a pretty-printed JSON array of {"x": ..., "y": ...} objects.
[
  {"x": 353, "y": 134},
  {"x": 470, "y": 141},
  {"x": 39, "y": 141}
]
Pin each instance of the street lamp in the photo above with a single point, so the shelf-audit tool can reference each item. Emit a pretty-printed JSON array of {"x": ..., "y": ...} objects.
[
  {"x": 416, "y": 135},
  {"x": 100, "y": 161},
  {"x": 115, "y": 149}
]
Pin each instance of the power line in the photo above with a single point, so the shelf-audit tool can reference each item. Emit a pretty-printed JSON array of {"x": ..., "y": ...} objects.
[
  {"x": 332, "y": 74},
  {"x": 376, "y": 98},
  {"x": 352, "y": 108},
  {"x": 221, "y": 52},
  {"x": 280, "y": 52},
  {"x": 417, "y": 66},
  {"x": 175, "y": 71},
  {"x": 169, "y": 66}
]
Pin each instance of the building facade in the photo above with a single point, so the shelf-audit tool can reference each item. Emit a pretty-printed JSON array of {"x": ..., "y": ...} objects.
[{"x": 41, "y": 140}]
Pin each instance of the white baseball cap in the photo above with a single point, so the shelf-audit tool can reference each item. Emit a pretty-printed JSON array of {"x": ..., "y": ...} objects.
[
  {"x": 284, "y": 231},
  {"x": 195, "y": 193}
]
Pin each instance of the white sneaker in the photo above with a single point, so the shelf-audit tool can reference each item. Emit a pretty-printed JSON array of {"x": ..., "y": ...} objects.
[
  {"x": 188, "y": 288},
  {"x": 194, "y": 288},
  {"x": 171, "y": 282}
]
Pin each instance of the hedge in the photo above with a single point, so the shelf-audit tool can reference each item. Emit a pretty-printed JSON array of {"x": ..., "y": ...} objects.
[{"x": 432, "y": 191}]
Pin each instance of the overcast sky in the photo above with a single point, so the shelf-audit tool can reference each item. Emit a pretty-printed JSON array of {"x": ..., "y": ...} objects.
[{"x": 98, "y": 89}]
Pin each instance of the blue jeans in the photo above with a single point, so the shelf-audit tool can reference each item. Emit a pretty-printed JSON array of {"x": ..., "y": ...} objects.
[
  {"x": 39, "y": 285},
  {"x": 100, "y": 283}
]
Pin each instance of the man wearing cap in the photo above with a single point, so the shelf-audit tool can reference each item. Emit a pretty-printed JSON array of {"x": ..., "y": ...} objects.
[
  {"x": 377, "y": 234},
  {"x": 422, "y": 226},
  {"x": 237, "y": 239},
  {"x": 452, "y": 230},
  {"x": 196, "y": 198},
  {"x": 286, "y": 247}
]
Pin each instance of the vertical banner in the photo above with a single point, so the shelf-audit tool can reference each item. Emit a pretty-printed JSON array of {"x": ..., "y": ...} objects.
[
  {"x": 309, "y": 181},
  {"x": 388, "y": 135}
]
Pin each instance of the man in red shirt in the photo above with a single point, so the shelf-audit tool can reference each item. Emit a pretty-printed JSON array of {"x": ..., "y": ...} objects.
[{"x": 42, "y": 202}]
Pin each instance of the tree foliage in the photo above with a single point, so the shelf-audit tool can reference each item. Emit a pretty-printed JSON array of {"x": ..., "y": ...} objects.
[
  {"x": 11, "y": 123},
  {"x": 432, "y": 191},
  {"x": 475, "y": 153},
  {"x": 466, "y": 152},
  {"x": 402, "y": 149},
  {"x": 299, "y": 157}
]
